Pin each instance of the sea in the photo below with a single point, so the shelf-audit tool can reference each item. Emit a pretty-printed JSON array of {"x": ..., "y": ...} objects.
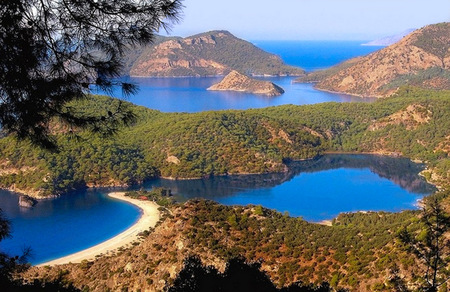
[
  {"x": 315, "y": 190},
  {"x": 191, "y": 95}
]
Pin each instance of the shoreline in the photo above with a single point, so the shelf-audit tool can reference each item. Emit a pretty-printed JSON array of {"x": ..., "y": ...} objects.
[{"x": 149, "y": 217}]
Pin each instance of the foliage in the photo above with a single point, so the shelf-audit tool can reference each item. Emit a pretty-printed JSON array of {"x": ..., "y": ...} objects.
[
  {"x": 182, "y": 145},
  {"x": 239, "y": 275},
  {"x": 420, "y": 79},
  {"x": 434, "y": 39},
  {"x": 431, "y": 246},
  {"x": 52, "y": 51},
  {"x": 358, "y": 245},
  {"x": 161, "y": 196}
]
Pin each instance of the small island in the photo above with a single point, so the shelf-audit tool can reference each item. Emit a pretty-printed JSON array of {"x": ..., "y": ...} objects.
[{"x": 236, "y": 81}]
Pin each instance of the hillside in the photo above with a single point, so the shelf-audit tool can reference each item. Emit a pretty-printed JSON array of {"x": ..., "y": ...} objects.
[
  {"x": 420, "y": 59},
  {"x": 236, "y": 81},
  {"x": 357, "y": 252},
  {"x": 414, "y": 124},
  {"x": 207, "y": 54}
]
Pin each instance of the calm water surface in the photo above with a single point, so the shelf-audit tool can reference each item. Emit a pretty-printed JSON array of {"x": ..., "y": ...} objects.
[
  {"x": 70, "y": 223},
  {"x": 315, "y": 190},
  {"x": 316, "y": 55},
  {"x": 191, "y": 94}
]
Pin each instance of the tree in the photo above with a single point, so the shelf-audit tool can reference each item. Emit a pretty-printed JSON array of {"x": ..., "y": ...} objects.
[
  {"x": 239, "y": 275},
  {"x": 431, "y": 246},
  {"x": 55, "y": 51}
]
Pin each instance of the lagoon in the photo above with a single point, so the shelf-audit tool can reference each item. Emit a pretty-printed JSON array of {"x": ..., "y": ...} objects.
[{"x": 316, "y": 190}]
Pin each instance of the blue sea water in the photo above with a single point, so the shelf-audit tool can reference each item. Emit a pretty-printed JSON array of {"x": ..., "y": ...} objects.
[
  {"x": 191, "y": 94},
  {"x": 186, "y": 94},
  {"x": 319, "y": 189},
  {"x": 315, "y": 55}
]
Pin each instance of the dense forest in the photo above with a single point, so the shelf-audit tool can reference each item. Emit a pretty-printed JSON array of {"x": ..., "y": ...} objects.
[{"x": 415, "y": 123}]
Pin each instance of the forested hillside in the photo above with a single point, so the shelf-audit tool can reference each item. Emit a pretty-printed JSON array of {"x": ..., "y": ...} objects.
[{"x": 414, "y": 124}]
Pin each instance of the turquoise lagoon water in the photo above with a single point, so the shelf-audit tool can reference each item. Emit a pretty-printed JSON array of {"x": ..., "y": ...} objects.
[{"x": 68, "y": 224}]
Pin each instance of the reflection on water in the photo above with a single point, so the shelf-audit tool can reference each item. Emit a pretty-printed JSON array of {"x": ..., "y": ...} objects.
[
  {"x": 401, "y": 171},
  {"x": 317, "y": 189},
  {"x": 188, "y": 94}
]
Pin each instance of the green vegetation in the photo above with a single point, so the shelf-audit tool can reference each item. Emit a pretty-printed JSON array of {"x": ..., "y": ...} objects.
[
  {"x": 439, "y": 77},
  {"x": 161, "y": 196},
  {"x": 415, "y": 124},
  {"x": 358, "y": 247},
  {"x": 434, "y": 39}
]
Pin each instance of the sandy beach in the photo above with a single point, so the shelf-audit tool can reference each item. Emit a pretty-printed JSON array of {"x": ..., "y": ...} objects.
[{"x": 150, "y": 215}]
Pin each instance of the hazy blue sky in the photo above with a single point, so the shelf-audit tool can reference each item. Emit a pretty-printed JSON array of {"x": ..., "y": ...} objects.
[{"x": 310, "y": 19}]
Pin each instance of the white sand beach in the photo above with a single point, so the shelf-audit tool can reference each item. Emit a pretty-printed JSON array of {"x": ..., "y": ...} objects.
[{"x": 150, "y": 215}]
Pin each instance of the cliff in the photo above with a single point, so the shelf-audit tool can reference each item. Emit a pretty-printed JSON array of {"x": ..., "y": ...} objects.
[
  {"x": 236, "y": 81},
  {"x": 207, "y": 54},
  {"x": 421, "y": 59}
]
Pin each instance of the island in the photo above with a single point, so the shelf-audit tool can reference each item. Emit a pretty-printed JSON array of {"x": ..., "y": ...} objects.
[{"x": 236, "y": 81}]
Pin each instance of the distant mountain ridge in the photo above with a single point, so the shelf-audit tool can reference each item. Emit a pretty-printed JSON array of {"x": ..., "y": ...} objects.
[
  {"x": 212, "y": 53},
  {"x": 390, "y": 40},
  {"x": 420, "y": 59}
]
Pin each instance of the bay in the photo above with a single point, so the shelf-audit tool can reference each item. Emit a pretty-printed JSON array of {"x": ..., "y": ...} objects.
[{"x": 190, "y": 94}]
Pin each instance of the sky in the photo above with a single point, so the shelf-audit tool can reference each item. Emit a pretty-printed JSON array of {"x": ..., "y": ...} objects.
[{"x": 309, "y": 19}]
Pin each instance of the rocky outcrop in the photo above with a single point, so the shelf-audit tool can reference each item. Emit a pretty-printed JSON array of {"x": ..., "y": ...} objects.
[
  {"x": 236, "y": 81},
  {"x": 421, "y": 59},
  {"x": 213, "y": 53},
  {"x": 26, "y": 201}
]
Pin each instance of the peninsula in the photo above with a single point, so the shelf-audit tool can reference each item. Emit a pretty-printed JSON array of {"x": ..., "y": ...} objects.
[{"x": 236, "y": 81}]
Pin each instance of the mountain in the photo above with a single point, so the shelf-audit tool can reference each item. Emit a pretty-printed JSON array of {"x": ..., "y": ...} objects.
[
  {"x": 389, "y": 40},
  {"x": 236, "y": 81},
  {"x": 420, "y": 59},
  {"x": 207, "y": 54}
]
